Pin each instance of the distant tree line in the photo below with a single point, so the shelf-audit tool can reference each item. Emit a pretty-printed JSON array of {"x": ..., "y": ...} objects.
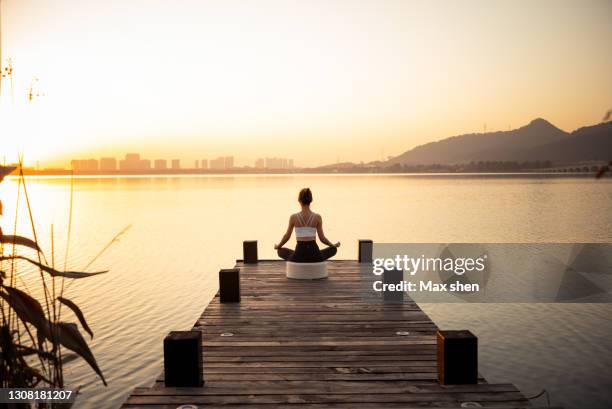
[
  {"x": 480, "y": 166},
  {"x": 507, "y": 165},
  {"x": 474, "y": 166}
]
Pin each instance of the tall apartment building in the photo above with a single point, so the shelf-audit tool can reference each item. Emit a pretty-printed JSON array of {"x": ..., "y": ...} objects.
[
  {"x": 217, "y": 164},
  {"x": 204, "y": 164},
  {"x": 108, "y": 164},
  {"x": 131, "y": 162},
  {"x": 279, "y": 163},
  {"x": 176, "y": 164},
  {"x": 229, "y": 162},
  {"x": 160, "y": 164},
  {"x": 84, "y": 164},
  {"x": 274, "y": 163}
]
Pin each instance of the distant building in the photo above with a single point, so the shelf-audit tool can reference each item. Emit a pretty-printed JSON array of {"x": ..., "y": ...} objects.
[
  {"x": 204, "y": 164},
  {"x": 131, "y": 162},
  {"x": 176, "y": 164},
  {"x": 108, "y": 164},
  {"x": 197, "y": 164},
  {"x": 145, "y": 164},
  {"x": 260, "y": 163},
  {"x": 93, "y": 164},
  {"x": 279, "y": 163},
  {"x": 217, "y": 164},
  {"x": 271, "y": 163},
  {"x": 274, "y": 163},
  {"x": 88, "y": 165},
  {"x": 229, "y": 162},
  {"x": 160, "y": 164}
]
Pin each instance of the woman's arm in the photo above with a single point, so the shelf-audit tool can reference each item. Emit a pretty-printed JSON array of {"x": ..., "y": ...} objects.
[
  {"x": 322, "y": 237},
  {"x": 287, "y": 235}
]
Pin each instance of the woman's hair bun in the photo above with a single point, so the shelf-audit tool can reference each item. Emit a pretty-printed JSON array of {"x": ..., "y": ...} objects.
[{"x": 305, "y": 196}]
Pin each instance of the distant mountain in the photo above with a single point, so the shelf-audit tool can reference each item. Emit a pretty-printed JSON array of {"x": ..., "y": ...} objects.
[
  {"x": 587, "y": 143},
  {"x": 538, "y": 140}
]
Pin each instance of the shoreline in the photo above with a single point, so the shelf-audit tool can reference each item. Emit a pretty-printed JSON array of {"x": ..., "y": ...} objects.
[{"x": 43, "y": 174}]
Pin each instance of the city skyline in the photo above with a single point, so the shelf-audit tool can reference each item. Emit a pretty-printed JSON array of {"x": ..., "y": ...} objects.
[
  {"x": 135, "y": 162},
  {"x": 299, "y": 81}
]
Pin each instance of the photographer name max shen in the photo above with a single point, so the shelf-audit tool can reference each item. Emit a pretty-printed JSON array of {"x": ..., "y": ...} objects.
[{"x": 426, "y": 286}]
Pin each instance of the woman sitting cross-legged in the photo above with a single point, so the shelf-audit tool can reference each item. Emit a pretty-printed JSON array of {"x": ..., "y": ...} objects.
[{"x": 307, "y": 225}]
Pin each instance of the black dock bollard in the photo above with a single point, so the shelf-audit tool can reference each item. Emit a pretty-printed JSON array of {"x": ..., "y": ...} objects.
[
  {"x": 249, "y": 251},
  {"x": 365, "y": 251},
  {"x": 457, "y": 357},
  {"x": 229, "y": 285},
  {"x": 394, "y": 278},
  {"x": 183, "y": 359}
]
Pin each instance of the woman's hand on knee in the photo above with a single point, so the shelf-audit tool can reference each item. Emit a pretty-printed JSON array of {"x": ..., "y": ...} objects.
[
  {"x": 337, "y": 244},
  {"x": 276, "y": 247}
]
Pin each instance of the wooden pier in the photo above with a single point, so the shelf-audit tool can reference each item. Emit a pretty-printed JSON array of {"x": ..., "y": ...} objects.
[{"x": 318, "y": 344}]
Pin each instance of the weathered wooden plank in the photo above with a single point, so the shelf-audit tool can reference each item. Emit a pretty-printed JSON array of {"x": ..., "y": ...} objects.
[
  {"x": 315, "y": 387},
  {"x": 399, "y": 376},
  {"x": 334, "y": 398},
  {"x": 310, "y": 358}
]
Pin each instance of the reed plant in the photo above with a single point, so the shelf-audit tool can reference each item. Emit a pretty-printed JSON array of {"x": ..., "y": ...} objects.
[{"x": 36, "y": 340}]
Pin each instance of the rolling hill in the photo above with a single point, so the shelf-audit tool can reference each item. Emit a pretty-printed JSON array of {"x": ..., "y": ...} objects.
[{"x": 538, "y": 140}]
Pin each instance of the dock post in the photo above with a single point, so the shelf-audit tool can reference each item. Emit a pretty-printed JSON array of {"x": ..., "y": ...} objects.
[
  {"x": 183, "y": 359},
  {"x": 249, "y": 251},
  {"x": 229, "y": 285},
  {"x": 365, "y": 249},
  {"x": 394, "y": 277},
  {"x": 457, "y": 357}
]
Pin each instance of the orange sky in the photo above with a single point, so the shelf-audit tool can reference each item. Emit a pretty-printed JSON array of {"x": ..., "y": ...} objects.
[{"x": 315, "y": 81}]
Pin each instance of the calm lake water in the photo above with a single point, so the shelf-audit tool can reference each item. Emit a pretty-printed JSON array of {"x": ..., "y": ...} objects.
[{"x": 163, "y": 270}]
